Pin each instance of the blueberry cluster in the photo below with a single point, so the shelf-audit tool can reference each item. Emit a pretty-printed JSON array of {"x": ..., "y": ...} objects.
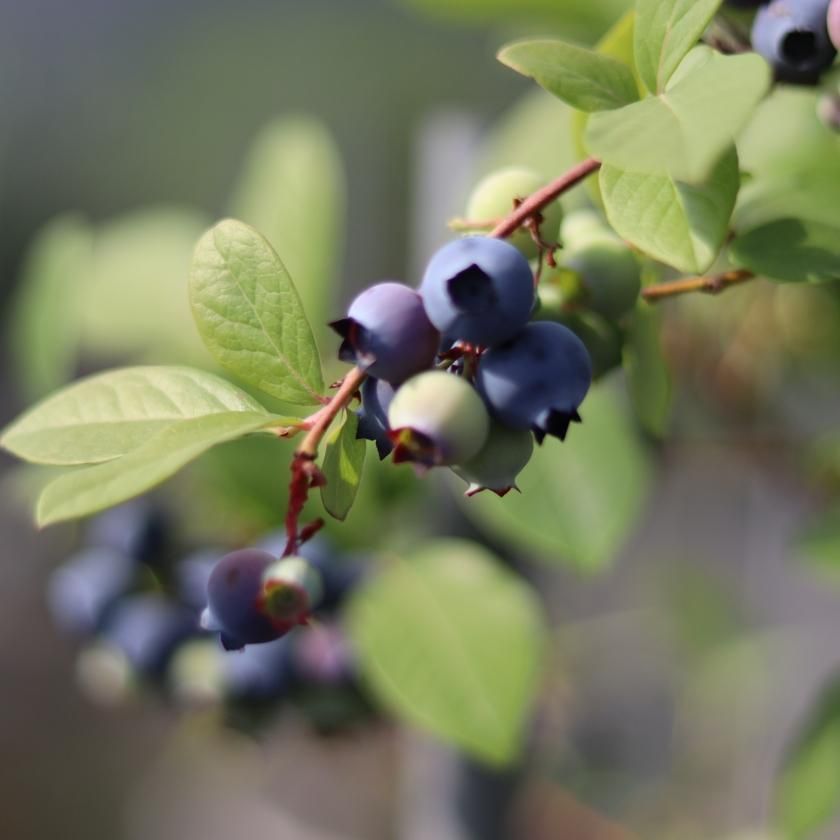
[
  {"x": 459, "y": 373},
  {"x": 799, "y": 38},
  {"x": 145, "y": 614}
]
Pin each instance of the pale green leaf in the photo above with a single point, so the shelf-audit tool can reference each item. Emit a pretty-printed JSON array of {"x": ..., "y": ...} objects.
[
  {"x": 85, "y": 491},
  {"x": 665, "y": 31},
  {"x": 292, "y": 190},
  {"x": 584, "y": 79},
  {"x": 451, "y": 641},
  {"x": 580, "y": 499},
  {"x": 648, "y": 377},
  {"x": 807, "y": 790},
  {"x": 45, "y": 315},
  {"x": 683, "y": 131},
  {"x": 109, "y": 414},
  {"x": 133, "y": 303},
  {"x": 250, "y": 316},
  {"x": 344, "y": 460},
  {"x": 683, "y": 225},
  {"x": 790, "y": 250}
]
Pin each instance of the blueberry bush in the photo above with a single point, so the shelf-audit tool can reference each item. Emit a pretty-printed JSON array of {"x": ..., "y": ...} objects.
[{"x": 527, "y": 359}]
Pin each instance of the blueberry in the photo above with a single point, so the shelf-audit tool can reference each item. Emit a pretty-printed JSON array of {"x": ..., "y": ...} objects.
[
  {"x": 793, "y": 36},
  {"x": 608, "y": 274},
  {"x": 499, "y": 462},
  {"x": 478, "y": 289},
  {"x": 234, "y": 589},
  {"x": 387, "y": 333},
  {"x": 260, "y": 672},
  {"x": 291, "y": 588},
  {"x": 136, "y": 528},
  {"x": 322, "y": 655},
  {"x": 495, "y": 196},
  {"x": 437, "y": 418},
  {"x": 147, "y": 629},
  {"x": 373, "y": 415},
  {"x": 191, "y": 575},
  {"x": 537, "y": 380},
  {"x": 834, "y": 22},
  {"x": 82, "y": 590}
]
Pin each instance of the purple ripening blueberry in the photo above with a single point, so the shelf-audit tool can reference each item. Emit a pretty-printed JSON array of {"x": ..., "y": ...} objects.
[{"x": 387, "y": 333}]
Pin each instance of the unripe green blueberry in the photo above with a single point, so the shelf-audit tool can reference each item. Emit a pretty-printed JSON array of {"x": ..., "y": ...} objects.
[
  {"x": 609, "y": 274},
  {"x": 493, "y": 198},
  {"x": 436, "y": 419},
  {"x": 497, "y": 464},
  {"x": 291, "y": 589}
]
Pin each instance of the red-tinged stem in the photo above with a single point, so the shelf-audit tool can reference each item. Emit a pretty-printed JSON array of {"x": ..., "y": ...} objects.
[
  {"x": 543, "y": 197},
  {"x": 712, "y": 285}
]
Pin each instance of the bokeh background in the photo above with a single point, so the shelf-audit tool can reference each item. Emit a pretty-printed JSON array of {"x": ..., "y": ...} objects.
[{"x": 679, "y": 671}]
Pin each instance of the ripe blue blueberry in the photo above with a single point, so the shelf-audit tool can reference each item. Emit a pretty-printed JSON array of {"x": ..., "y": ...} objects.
[
  {"x": 146, "y": 629},
  {"x": 498, "y": 463},
  {"x": 253, "y": 598},
  {"x": 387, "y": 333},
  {"x": 437, "y": 418},
  {"x": 793, "y": 36},
  {"x": 373, "y": 415},
  {"x": 234, "y": 589},
  {"x": 136, "y": 528},
  {"x": 82, "y": 590},
  {"x": 537, "y": 380},
  {"x": 260, "y": 672},
  {"x": 478, "y": 289}
]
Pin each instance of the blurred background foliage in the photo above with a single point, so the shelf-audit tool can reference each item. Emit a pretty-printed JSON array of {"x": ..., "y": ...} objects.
[{"x": 684, "y": 543}]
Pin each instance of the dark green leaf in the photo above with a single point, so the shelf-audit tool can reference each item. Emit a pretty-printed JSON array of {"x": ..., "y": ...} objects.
[
  {"x": 85, "y": 491},
  {"x": 580, "y": 499},
  {"x": 250, "y": 316},
  {"x": 684, "y": 131},
  {"x": 665, "y": 31},
  {"x": 584, "y": 79},
  {"x": 452, "y": 641},
  {"x": 343, "y": 462},
  {"x": 683, "y": 225},
  {"x": 790, "y": 250}
]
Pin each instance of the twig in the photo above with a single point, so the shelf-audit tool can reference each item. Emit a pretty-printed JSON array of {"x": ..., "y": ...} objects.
[
  {"x": 712, "y": 285},
  {"x": 536, "y": 201}
]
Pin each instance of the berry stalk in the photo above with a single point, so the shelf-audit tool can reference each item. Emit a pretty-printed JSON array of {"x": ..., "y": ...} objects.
[{"x": 711, "y": 285}]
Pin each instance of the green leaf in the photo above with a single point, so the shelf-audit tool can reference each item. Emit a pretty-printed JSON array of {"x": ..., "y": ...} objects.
[
  {"x": 648, "y": 378},
  {"x": 790, "y": 250},
  {"x": 580, "y": 499},
  {"x": 683, "y": 131},
  {"x": 44, "y": 319},
  {"x": 250, "y": 316},
  {"x": 132, "y": 304},
  {"x": 680, "y": 224},
  {"x": 343, "y": 462},
  {"x": 582, "y": 78},
  {"x": 109, "y": 414},
  {"x": 807, "y": 792},
  {"x": 85, "y": 491},
  {"x": 452, "y": 641},
  {"x": 665, "y": 31},
  {"x": 292, "y": 190}
]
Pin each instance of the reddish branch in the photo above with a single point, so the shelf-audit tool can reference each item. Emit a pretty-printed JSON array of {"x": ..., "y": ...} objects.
[{"x": 712, "y": 285}]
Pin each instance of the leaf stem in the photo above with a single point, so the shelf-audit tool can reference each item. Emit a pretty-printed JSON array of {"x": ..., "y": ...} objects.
[
  {"x": 711, "y": 285},
  {"x": 542, "y": 197},
  {"x": 321, "y": 420}
]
